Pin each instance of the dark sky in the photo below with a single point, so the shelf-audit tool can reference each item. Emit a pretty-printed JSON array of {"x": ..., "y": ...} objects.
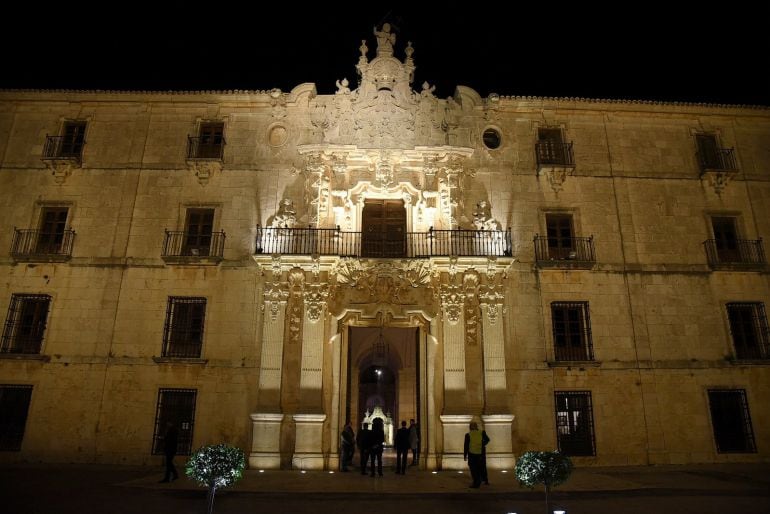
[{"x": 642, "y": 51}]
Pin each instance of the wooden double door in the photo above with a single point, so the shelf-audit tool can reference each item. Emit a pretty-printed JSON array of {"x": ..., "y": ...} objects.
[{"x": 383, "y": 229}]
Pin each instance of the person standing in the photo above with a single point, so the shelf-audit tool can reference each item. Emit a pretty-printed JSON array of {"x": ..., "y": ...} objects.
[
  {"x": 473, "y": 449},
  {"x": 414, "y": 442},
  {"x": 170, "y": 441},
  {"x": 402, "y": 448},
  {"x": 363, "y": 441},
  {"x": 347, "y": 446},
  {"x": 376, "y": 444}
]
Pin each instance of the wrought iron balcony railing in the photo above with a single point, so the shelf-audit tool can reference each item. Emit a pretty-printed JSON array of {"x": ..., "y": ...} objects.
[
  {"x": 184, "y": 246},
  {"x": 575, "y": 252},
  {"x": 62, "y": 147},
  {"x": 742, "y": 253},
  {"x": 333, "y": 241},
  {"x": 32, "y": 244},
  {"x": 719, "y": 159},
  {"x": 205, "y": 148},
  {"x": 553, "y": 154}
]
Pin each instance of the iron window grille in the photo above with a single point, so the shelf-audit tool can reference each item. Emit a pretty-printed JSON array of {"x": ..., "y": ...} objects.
[
  {"x": 183, "y": 331},
  {"x": 749, "y": 329},
  {"x": 575, "y": 423},
  {"x": 69, "y": 145},
  {"x": 571, "y": 331},
  {"x": 731, "y": 421},
  {"x": 14, "y": 407},
  {"x": 25, "y": 324},
  {"x": 176, "y": 406}
]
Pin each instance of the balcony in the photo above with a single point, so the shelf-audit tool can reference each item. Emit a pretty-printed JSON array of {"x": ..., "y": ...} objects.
[
  {"x": 63, "y": 148},
  {"x": 32, "y": 245},
  {"x": 572, "y": 253},
  {"x": 553, "y": 155},
  {"x": 736, "y": 254},
  {"x": 717, "y": 159},
  {"x": 180, "y": 247},
  {"x": 415, "y": 245}
]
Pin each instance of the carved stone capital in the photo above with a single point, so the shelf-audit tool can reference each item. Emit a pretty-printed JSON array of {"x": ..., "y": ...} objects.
[
  {"x": 315, "y": 300},
  {"x": 452, "y": 302}
]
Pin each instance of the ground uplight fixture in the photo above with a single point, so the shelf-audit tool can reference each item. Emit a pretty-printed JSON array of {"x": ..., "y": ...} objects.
[
  {"x": 261, "y": 470},
  {"x": 303, "y": 471},
  {"x": 434, "y": 472}
]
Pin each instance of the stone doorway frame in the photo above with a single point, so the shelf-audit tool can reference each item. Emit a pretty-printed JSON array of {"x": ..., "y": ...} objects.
[{"x": 388, "y": 316}]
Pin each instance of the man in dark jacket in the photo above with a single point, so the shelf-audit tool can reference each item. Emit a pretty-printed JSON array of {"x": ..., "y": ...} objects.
[
  {"x": 473, "y": 452},
  {"x": 363, "y": 441},
  {"x": 402, "y": 448},
  {"x": 170, "y": 440}
]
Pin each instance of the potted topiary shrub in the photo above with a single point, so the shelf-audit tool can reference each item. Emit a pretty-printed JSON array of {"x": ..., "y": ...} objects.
[
  {"x": 547, "y": 468},
  {"x": 216, "y": 466}
]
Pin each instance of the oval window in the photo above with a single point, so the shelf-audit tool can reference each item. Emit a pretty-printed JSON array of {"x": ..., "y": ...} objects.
[
  {"x": 491, "y": 138},
  {"x": 277, "y": 135}
]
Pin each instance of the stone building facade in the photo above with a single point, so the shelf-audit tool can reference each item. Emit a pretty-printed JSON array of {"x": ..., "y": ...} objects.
[{"x": 260, "y": 266}]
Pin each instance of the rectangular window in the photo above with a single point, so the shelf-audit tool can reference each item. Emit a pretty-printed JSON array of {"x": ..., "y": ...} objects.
[
  {"x": 708, "y": 151},
  {"x": 551, "y": 148},
  {"x": 25, "y": 323},
  {"x": 183, "y": 334},
  {"x": 211, "y": 140},
  {"x": 574, "y": 423},
  {"x": 73, "y": 138},
  {"x": 14, "y": 406},
  {"x": 175, "y": 406},
  {"x": 749, "y": 329},
  {"x": 53, "y": 223},
  {"x": 561, "y": 240},
  {"x": 198, "y": 229},
  {"x": 571, "y": 331},
  {"x": 731, "y": 421}
]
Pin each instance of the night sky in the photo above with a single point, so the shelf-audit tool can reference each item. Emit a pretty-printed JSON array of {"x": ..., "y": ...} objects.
[{"x": 644, "y": 51}]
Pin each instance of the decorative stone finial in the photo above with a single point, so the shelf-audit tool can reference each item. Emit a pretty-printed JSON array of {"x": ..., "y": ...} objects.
[
  {"x": 409, "y": 50},
  {"x": 364, "y": 49}
]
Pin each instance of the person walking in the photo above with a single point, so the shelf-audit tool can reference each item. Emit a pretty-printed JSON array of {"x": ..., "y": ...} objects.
[
  {"x": 347, "y": 446},
  {"x": 473, "y": 449},
  {"x": 363, "y": 441},
  {"x": 402, "y": 448},
  {"x": 170, "y": 441},
  {"x": 414, "y": 442}
]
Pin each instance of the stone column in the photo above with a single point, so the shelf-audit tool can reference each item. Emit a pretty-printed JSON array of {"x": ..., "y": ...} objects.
[
  {"x": 455, "y": 427},
  {"x": 308, "y": 443},
  {"x": 454, "y": 346}
]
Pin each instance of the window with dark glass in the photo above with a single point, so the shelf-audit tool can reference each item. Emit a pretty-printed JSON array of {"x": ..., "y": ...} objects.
[
  {"x": 571, "y": 331},
  {"x": 183, "y": 333},
  {"x": 14, "y": 406},
  {"x": 175, "y": 406},
  {"x": 53, "y": 224},
  {"x": 708, "y": 151},
  {"x": 198, "y": 228},
  {"x": 561, "y": 241},
  {"x": 731, "y": 421},
  {"x": 25, "y": 323},
  {"x": 726, "y": 239},
  {"x": 574, "y": 423},
  {"x": 211, "y": 140},
  {"x": 749, "y": 330},
  {"x": 73, "y": 138}
]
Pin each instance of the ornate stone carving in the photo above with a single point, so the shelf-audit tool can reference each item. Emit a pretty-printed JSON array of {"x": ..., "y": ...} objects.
[
  {"x": 452, "y": 299},
  {"x": 278, "y": 102},
  {"x": 342, "y": 87},
  {"x": 315, "y": 301},
  {"x": 482, "y": 217},
  {"x": 61, "y": 168},
  {"x": 557, "y": 176},
  {"x": 385, "y": 40},
  {"x": 718, "y": 179},
  {"x": 205, "y": 169},
  {"x": 470, "y": 291},
  {"x": 296, "y": 290},
  {"x": 286, "y": 216},
  {"x": 383, "y": 281}
]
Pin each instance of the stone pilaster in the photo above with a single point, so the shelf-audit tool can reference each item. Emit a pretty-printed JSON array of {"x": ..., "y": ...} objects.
[
  {"x": 311, "y": 364},
  {"x": 455, "y": 427},
  {"x": 454, "y": 344},
  {"x": 500, "y": 447},
  {"x": 265, "y": 441},
  {"x": 308, "y": 445}
]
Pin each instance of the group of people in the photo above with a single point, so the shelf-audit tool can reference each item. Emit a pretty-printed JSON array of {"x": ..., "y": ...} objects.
[{"x": 370, "y": 444}]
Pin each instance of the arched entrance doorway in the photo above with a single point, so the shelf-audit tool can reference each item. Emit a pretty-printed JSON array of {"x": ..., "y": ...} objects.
[{"x": 383, "y": 366}]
